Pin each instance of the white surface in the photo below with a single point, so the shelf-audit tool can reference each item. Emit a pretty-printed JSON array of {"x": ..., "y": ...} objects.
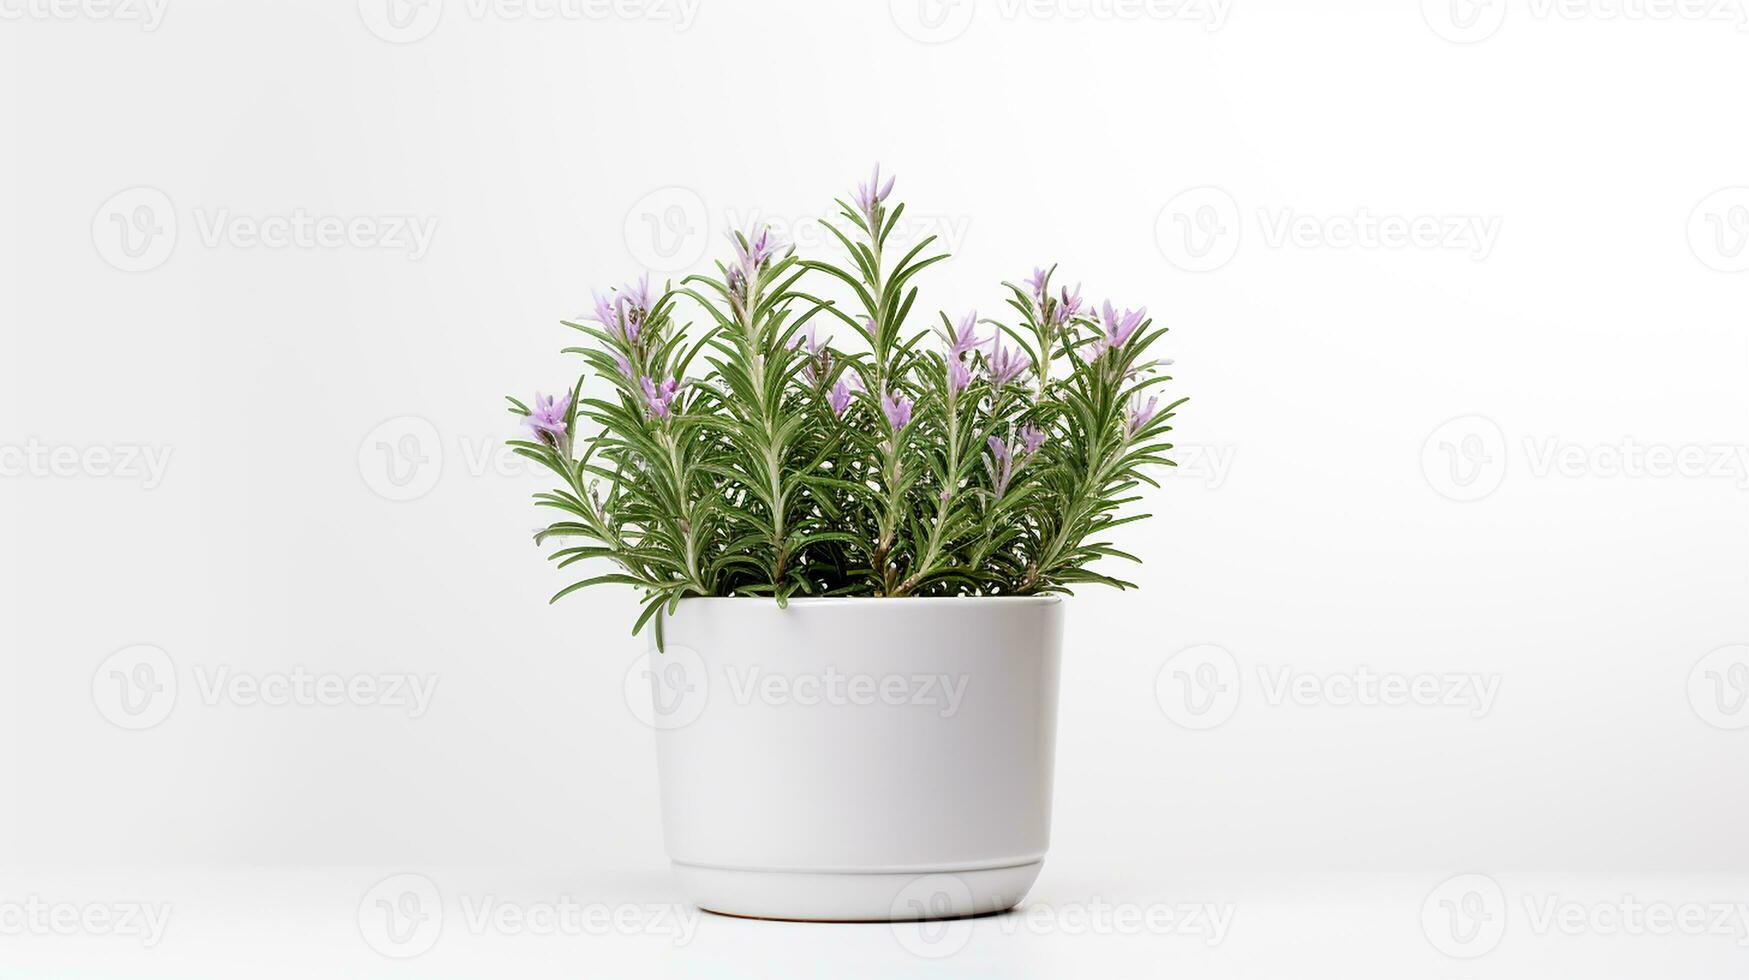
[
  {"x": 1320, "y": 525},
  {"x": 1136, "y": 921}
]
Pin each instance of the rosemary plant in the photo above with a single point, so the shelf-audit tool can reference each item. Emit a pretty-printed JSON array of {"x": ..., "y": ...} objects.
[{"x": 748, "y": 454}]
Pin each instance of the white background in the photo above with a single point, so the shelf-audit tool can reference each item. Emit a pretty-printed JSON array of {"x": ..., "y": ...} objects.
[{"x": 333, "y": 495}]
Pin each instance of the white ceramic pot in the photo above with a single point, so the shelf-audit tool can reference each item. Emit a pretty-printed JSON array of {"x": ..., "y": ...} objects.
[{"x": 857, "y": 759}]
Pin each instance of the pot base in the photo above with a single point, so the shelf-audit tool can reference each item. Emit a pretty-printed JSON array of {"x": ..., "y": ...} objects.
[{"x": 803, "y": 896}]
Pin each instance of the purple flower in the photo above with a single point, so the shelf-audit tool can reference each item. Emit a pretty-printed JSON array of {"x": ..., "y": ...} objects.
[
  {"x": 619, "y": 361},
  {"x": 625, "y": 310},
  {"x": 1005, "y": 364},
  {"x": 1119, "y": 328},
  {"x": 898, "y": 410},
  {"x": 819, "y": 356},
  {"x": 1052, "y": 311},
  {"x": 960, "y": 341},
  {"x": 1140, "y": 414},
  {"x": 999, "y": 450},
  {"x": 637, "y": 294},
  {"x": 963, "y": 338},
  {"x": 737, "y": 291},
  {"x": 959, "y": 374},
  {"x": 1000, "y": 464},
  {"x": 1007, "y": 458},
  {"x": 871, "y": 195},
  {"x": 605, "y": 314},
  {"x": 611, "y": 312},
  {"x": 839, "y": 399},
  {"x": 659, "y": 398},
  {"x": 547, "y": 418},
  {"x": 1069, "y": 306},
  {"x": 754, "y": 251}
]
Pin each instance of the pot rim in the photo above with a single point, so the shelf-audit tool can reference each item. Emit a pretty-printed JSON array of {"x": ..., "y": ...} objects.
[{"x": 888, "y": 600}]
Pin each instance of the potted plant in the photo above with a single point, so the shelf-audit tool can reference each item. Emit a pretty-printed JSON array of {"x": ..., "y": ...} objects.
[{"x": 851, "y": 538}]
